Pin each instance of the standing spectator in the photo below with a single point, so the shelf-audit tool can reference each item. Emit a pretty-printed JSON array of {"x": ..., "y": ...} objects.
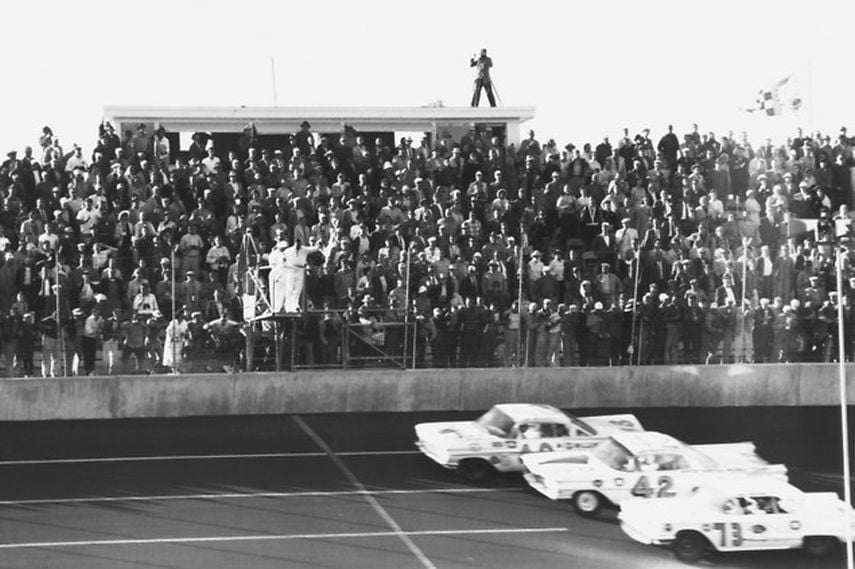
[
  {"x": 471, "y": 330},
  {"x": 483, "y": 81},
  {"x": 607, "y": 286},
  {"x": 669, "y": 145},
  {"x": 672, "y": 316},
  {"x": 190, "y": 246},
  {"x": 175, "y": 338},
  {"x": 512, "y": 322},
  {"x": 92, "y": 329},
  {"x": 570, "y": 323}
]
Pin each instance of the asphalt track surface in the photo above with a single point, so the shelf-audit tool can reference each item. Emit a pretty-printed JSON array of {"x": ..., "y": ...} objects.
[{"x": 330, "y": 491}]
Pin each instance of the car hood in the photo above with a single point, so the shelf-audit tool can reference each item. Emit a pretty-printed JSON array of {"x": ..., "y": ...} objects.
[
  {"x": 546, "y": 462},
  {"x": 452, "y": 431}
]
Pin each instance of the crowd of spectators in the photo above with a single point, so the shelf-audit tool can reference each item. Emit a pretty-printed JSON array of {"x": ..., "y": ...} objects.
[{"x": 686, "y": 249}]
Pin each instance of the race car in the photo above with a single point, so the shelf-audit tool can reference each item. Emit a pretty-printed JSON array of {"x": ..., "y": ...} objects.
[
  {"x": 498, "y": 438},
  {"x": 641, "y": 464},
  {"x": 746, "y": 514}
]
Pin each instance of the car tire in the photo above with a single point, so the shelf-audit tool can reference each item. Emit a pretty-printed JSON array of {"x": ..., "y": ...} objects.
[
  {"x": 818, "y": 545},
  {"x": 690, "y": 547},
  {"x": 587, "y": 503},
  {"x": 475, "y": 469}
]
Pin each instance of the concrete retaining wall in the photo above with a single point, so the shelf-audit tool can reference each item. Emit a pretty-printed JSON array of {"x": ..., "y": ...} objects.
[{"x": 421, "y": 390}]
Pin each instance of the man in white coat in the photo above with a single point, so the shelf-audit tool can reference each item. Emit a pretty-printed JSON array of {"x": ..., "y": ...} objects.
[
  {"x": 276, "y": 260},
  {"x": 295, "y": 257},
  {"x": 173, "y": 346}
]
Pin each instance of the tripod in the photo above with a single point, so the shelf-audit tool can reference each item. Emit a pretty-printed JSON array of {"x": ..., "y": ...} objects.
[{"x": 496, "y": 91}]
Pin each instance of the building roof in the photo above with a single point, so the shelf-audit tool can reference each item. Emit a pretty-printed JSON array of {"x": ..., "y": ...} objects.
[{"x": 282, "y": 120}]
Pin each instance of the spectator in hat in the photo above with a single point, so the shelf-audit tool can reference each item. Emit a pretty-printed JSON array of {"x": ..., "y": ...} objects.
[
  {"x": 303, "y": 139},
  {"x": 546, "y": 287}
]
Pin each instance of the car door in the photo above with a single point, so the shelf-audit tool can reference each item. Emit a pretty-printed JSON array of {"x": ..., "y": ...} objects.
[
  {"x": 769, "y": 526},
  {"x": 538, "y": 436},
  {"x": 528, "y": 437},
  {"x": 658, "y": 475}
]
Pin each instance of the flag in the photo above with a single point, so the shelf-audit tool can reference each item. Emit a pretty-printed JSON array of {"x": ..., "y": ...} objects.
[{"x": 780, "y": 98}]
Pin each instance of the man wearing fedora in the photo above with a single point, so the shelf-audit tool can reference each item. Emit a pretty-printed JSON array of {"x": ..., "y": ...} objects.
[{"x": 304, "y": 139}]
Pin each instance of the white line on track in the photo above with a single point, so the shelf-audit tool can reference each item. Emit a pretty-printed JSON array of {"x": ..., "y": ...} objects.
[
  {"x": 247, "y": 456},
  {"x": 275, "y": 537},
  {"x": 250, "y": 495},
  {"x": 381, "y": 511}
]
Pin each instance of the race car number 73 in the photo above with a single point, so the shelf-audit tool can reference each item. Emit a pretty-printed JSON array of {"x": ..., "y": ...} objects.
[
  {"x": 663, "y": 487},
  {"x": 734, "y": 535}
]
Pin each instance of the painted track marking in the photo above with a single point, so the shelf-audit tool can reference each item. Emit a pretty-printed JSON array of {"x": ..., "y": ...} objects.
[
  {"x": 247, "y": 456},
  {"x": 274, "y": 537},
  {"x": 250, "y": 495},
  {"x": 381, "y": 511}
]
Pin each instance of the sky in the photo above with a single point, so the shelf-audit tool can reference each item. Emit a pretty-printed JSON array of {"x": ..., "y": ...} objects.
[{"x": 590, "y": 69}]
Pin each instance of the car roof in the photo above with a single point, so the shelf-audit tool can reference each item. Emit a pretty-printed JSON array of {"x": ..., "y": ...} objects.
[
  {"x": 639, "y": 442},
  {"x": 749, "y": 484},
  {"x": 521, "y": 412}
]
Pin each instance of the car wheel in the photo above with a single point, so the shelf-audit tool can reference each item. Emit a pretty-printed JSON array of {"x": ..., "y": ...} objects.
[
  {"x": 474, "y": 469},
  {"x": 587, "y": 503},
  {"x": 818, "y": 545},
  {"x": 689, "y": 547}
]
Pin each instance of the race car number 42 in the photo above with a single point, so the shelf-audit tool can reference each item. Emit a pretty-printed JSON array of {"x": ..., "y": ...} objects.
[{"x": 644, "y": 489}]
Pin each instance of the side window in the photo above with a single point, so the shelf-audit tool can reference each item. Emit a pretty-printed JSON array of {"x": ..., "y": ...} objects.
[
  {"x": 648, "y": 462},
  {"x": 530, "y": 431},
  {"x": 768, "y": 504},
  {"x": 561, "y": 431},
  {"x": 671, "y": 462},
  {"x": 732, "y": 507}
]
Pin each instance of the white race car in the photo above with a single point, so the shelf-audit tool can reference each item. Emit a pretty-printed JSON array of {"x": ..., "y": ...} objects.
[
  {"x": 497, "y": 439},
  {"x": 644, "y": 464},
  {"x": 744, "y": 515}
]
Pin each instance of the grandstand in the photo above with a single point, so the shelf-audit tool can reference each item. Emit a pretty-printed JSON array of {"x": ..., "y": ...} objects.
[{"x": 285, "y": 238}]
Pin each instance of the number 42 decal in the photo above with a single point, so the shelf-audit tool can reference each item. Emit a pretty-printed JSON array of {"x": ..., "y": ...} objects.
[{"x": 663, "y": 487}]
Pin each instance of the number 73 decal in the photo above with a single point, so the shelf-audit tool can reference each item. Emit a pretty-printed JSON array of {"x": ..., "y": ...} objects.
[
  {"x": 734, "y": 535},
  {"x": 644, "y": 489}
]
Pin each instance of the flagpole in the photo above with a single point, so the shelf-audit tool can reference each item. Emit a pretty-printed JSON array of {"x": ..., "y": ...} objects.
[
  {"x": 810, "y": 95},
  {"x": 59, "y": 334},
  {"x": 844, "y": 420},
  {"x": 406, "y": 307},
  {"x": 635, "y": 302},
  {"x": 520, "y": 360},
  {"x": 744, "y": 291},
  {"x": 174, "y": 317},
  {"x": 273, "y": 76}
]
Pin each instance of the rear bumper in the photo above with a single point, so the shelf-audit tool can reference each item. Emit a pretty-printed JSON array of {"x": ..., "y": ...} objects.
[
  {"x": 443, "y": 459},
  {"x": 536, "y": 482}
]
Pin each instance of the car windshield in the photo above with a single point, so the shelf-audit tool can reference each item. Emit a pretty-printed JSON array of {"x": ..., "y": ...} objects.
[
  {"x": 496, "y": 422},
  {"x": 584, "y": 428},
  {"x": 614, "y": 454}
]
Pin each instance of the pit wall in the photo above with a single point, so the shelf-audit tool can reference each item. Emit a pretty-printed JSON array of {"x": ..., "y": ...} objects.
[{"x": 119, "y": 397}]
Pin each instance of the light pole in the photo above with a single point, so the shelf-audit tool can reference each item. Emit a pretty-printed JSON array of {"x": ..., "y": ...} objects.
[{"x": 844, "y": 419}]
